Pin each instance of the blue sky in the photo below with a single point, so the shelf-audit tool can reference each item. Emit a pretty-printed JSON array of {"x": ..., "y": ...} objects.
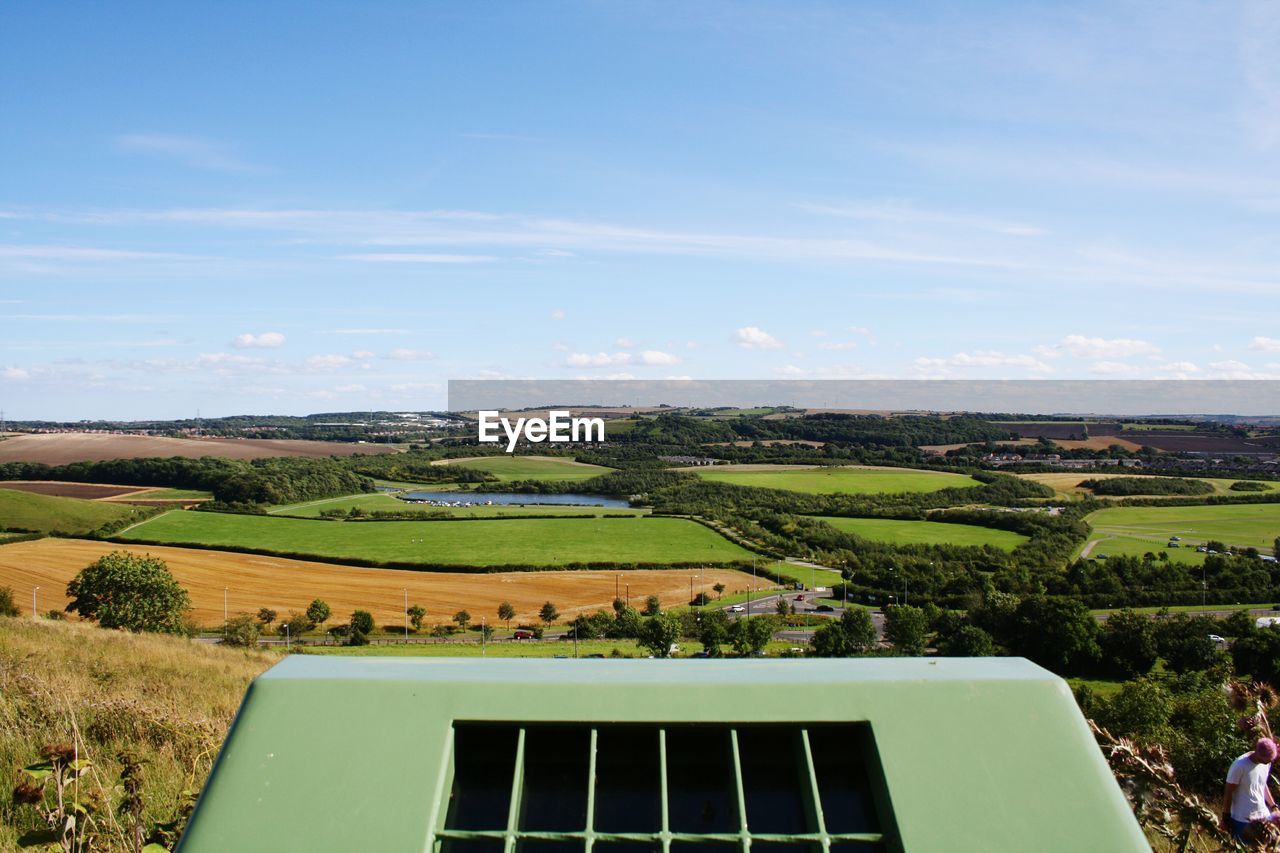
[{"x": 288, "y": 208}]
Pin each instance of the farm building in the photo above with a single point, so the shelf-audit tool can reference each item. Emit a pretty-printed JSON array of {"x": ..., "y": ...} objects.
[{"x": 457, "y": 755}]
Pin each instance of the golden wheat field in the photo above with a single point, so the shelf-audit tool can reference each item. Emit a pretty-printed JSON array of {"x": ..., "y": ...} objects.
[{"x": 283, "y": 585}]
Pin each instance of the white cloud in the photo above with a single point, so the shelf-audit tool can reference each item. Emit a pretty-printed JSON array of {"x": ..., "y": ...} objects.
[
  {"x": 404, "y": 354},
  {"x": 362, "y": 354},
  {"x": 330, "y": 361},
  {"x": 416, "y": 258},
  {"x": 1113, "y": 368},
  {"x": 1265, "y": 344},
  {"x": 368, "y": 331},
  {"x": 189, "y": 150},
  {"x": 1084, "y": 347},
  {"x": 557, "y": 314},
  {"x": 15, "y": 374},
  {"x": 819, "y": 333},
  {"x": 1182, "y": 367},
  {"x": 656, "y": 357},
  {"x": 83, "y": 253},
  {"x": 837, "y": 345},
  {"x": 266, "y": 340},
  {"x": 901, "y": 213},
  {"x": 753, "y": 337},
  {"x": 600, "y": 359},
  {"x": 982, "y": 358},
  {"x": 624, "y": 343}
]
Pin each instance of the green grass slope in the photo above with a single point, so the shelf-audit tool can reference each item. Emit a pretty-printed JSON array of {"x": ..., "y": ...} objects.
[
  {"x": 926, "y": 532},
  {"x": 48, "y": 514},
  {"x": 509, "y": 468},
  {"x": 487, "y": 542},
  {"x": 846, "y": 479}
]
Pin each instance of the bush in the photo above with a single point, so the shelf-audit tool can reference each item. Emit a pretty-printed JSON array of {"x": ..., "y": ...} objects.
[
  {"x": 242, "y": 630},
  {"x": 123, "y": 590},
  {"x": 968, "y": 641},
  {"x": 1250, "y": 486},
  {"x": 8, "y": 607}
]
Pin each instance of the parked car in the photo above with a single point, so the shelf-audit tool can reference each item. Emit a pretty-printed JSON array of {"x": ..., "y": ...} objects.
[
  {"x": 824, "y": 608},
  {"x": 737, "y": 608}
]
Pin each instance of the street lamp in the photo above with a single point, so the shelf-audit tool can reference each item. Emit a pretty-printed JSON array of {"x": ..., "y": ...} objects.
[
  {"x": 406, "y": 615},
  {"x": 224, "y": 611},
  {"x": 35, "y": 612},
  {"x": 286, "y": 636}
]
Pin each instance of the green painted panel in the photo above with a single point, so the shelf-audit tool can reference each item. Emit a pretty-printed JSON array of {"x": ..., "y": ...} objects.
[{"x": 355, "y": 754}]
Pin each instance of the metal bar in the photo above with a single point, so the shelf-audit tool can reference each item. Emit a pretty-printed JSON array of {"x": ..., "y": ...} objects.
[
  {"x": 744, "y": 835},
  {"x": 665, "y": 834},
  {"x": 813, "y": 793},
  {"x": 591, "y": 793},
  {"x": 517, "y": 788},
  {"x": 723, "y": 837}
]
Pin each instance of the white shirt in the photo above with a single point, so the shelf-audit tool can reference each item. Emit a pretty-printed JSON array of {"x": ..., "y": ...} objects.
[{"x": 1249, "y": 802}]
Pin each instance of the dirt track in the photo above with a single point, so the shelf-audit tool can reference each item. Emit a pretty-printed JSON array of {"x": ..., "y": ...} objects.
[
  {"x": 67, "y": 447},
  {"x": 284, "y": 585}
]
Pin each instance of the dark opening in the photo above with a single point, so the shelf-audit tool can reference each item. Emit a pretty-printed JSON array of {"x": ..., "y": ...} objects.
[
  {"x": 483, "y": 765},
  {"x": 775, "y": 781},
  {"x": 700, "y": 780},
  {"x": 840, "y": 758},
  {"x": 555, "y": 780},
  {"x": 628, "y": 781}
]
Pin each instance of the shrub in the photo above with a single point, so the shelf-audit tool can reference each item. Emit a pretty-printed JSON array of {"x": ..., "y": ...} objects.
[{"x": 123, "y": 590}]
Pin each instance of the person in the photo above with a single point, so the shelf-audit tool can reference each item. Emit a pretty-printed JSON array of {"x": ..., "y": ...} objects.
[{"x": 1247, "y": 797}]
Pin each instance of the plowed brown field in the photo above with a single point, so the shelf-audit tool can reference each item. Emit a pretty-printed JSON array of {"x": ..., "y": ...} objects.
[
  {"x": 66, "y": 447},
  {"x": 284, "y": 585}
]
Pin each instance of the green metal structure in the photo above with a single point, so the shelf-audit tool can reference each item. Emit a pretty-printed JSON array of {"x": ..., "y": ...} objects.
[{"x": 601, "y": 756}]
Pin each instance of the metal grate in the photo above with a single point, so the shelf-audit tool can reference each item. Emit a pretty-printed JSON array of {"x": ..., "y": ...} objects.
[{"x": 578, "y": 788}]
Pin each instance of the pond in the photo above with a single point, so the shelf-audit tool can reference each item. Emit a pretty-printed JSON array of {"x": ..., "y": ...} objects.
[{"x": 511, "y": 499}]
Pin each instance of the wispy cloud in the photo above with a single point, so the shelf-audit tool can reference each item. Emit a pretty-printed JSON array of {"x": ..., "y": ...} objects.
[
  {"x": 901, "y": 212},
  {"x": 753, "y": 337},
  {"x": 416, "y": 258},
  {"x": 371, "y": 332},
  {"x": 192, "y": 151},
  {"x": 84, "y": 253},
  {"x": 266, "y": 340}
]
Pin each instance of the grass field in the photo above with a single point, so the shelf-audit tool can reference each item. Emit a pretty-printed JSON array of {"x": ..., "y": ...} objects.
[
  {"x": 255, "y": 581},
  {"x": 170, "y": 495},
  {"x": 846, "y": 479},
  {"x": 1067, "y": 483},
  {"x": 165, "y": 699},
  {"x": 926, "y": 532},
  {"x": 62, "y": 448},
  {"x": 521, "y": 649},
  {"x": 507, "y": 468},
  {"x": 49, "y": 514},
  {"x": 387, "y": 503},
  {"x": 1135, "y": 530},
  {"x": 530, "y": 542}
]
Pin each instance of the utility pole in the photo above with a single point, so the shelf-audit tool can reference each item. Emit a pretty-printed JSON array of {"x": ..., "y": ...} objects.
[
  {"x": 35, "y": 611},
  {"x": 286, "y": 636},
  {"x": 224, "y": 612},
  {"x": 406, "y": 615},
  {"x": 484, "y": 636}
]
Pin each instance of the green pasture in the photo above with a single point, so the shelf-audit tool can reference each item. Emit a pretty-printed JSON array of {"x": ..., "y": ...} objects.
[
  {"x": 172, "y": 495},
  {"x": 1149, "y": 528},
  {"x": 845, "y": 479},
  {"x": 487, "y": 542},
  {"x": 49, "y": 514},
  {"x": 507, "y": 468},
  {"x": 926, "y": 532},
  {"x": 471, "y": 648},
  {"x": 386, "y": 503}
]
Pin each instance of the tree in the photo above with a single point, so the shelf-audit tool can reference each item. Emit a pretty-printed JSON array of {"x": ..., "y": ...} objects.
[
  {"x": 749, "y": 636},
  {"x": 548, "y": 614},
  {"x": 783, "y": 608},
  {"x": 123, "y": 590},
  {"x": 416, "y": 614},
  {"x": 295, "y": 625},
  {"x": 853, "y": 634},
  {"x": 713, "y": 631},
  {"x": 659, "y": 633},
  {"x": 908, "y": 629},
  {"x": 1258, "y": 654},
  {"x": 1128, "y": 643},
  {"x": 266, "y": 616},
  {"x": 7, "y": 605},
  {"x": 1060, "y": 635},
  {"x": 720, "y": 588},
  {"x": 652, "y": 606},
  {"x": 968, "y": 641},
  {"x": 242, "y": 630},
  {"x": 506, "y": 613},
  {"x": 463, "y": 618},
  {"x": 318, "y": 612},
  {"x": 359, "y": 628},
  {"x": 1184, "y": 643}
]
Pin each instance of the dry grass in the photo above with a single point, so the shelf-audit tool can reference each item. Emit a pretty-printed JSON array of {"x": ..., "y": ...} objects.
[
  {"x": 67, "y": 447},
  {"x": 166, "y": 699},
  {"x": 284, "y": 585}
]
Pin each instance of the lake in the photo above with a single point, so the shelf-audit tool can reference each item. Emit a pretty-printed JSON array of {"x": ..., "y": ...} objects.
[{"x": 512, "y": 499}]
